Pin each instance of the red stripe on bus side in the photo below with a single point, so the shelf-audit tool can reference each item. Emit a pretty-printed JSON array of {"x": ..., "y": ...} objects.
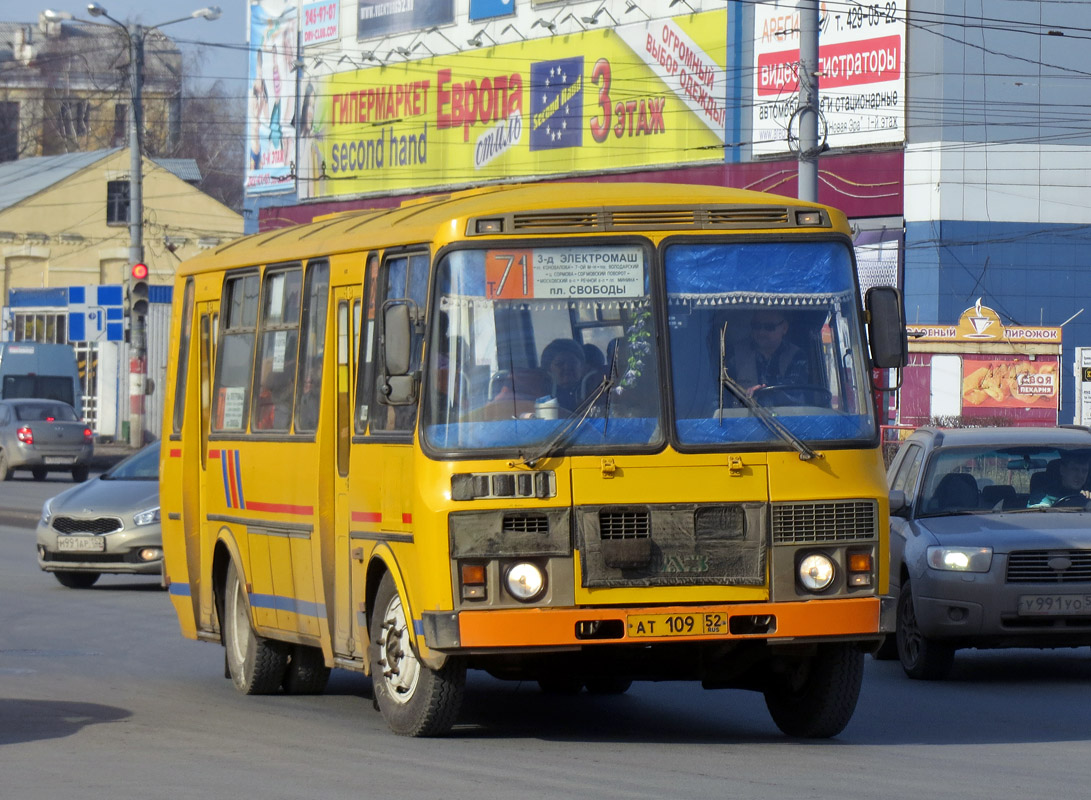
[
  {"x": 280, "y": 508},
  {"x": 407, "y": 518},
  {"x": 367, "y": 516},
  {"x": 176, "y": 453}
]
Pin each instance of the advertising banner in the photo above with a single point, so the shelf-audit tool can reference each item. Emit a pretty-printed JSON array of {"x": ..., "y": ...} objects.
[
  {"x": 640, "y": 95},
  {"x": 271, "y": 100},
  {"x": 1009, "y": 383},
  {"x": 861, "y": 79},
  {"x": 489, "y": 9},
  {"x": 383, "y": 17},
  {"x": 320, "y": 22}
]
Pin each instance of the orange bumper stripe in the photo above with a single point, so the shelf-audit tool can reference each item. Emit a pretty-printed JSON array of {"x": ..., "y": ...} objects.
[{"x": 545, "y": 627}]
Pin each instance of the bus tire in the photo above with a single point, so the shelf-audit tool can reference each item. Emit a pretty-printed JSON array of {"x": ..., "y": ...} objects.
[
  {"x": 76, "y": 580},
  {"x": 413, "y": 699},
  {"x": 608, "y": 685},
  {"x": 256, "y": 664},
  {"x": 307, "y": 672},
  {"x": 817, "y": 698}
]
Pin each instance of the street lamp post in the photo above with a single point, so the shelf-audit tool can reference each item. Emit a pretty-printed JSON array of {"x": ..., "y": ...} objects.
[{"x": 137, "y": 333}]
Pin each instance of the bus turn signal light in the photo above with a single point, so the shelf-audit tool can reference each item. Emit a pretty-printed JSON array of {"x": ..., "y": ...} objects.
[{"x": 473, "y": 581}]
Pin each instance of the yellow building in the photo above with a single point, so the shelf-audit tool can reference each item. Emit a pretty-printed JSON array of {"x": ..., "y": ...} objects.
[
  {"x": 64, "y": 219},
  {"x": 64, "y": 223}
]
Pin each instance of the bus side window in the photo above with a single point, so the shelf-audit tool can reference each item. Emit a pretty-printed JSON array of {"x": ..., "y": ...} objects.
[
  {"x": 274, "y": 383},
  {"x": 183, "y": 359},
  {"x": 367, "y": 347},
  {"x": 312, "y": 346},
  {"x": 235, "y": 354},
  {"x": 406, "y": 276}
]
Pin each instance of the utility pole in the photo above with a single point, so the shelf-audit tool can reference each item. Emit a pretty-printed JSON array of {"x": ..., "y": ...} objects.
[
  {"x": 137, "y": 272},
  {"x": 808, "y": 101}
]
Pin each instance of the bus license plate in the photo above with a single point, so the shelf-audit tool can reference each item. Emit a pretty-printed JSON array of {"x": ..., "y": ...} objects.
[
  {"x": 84, "y": 544},
  {"x": 697, "y": 624},
  {"x": 1054, "y": 605}
]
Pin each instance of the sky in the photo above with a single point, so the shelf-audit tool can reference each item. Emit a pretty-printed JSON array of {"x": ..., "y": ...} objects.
[{"x": 219, "y": 46}]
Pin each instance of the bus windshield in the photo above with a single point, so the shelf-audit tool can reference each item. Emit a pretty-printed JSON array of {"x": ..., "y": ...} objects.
[
  {"x": 765, "y": 344},
  {"x": 537, "y": 344}
]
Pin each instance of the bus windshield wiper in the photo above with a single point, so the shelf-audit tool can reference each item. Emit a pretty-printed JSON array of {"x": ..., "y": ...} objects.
[
  {"x": 806, "y": 452},
  {"x": 567, "y": 432}
]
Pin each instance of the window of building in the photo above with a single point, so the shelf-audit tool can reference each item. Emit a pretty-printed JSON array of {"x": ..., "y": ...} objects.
[
  {"x": 121, "y": 125},
  {"x": 9, "y": 131},
  {"x": 75, "y": 118},
  {"x": 117, "y": 202}
]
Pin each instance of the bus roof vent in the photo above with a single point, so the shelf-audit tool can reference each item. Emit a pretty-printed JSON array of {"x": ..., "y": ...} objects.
[
  {"x": 558, "y": 221},
  {"x": 734, "y": 217},
  {"x": 654, "y": 218}
]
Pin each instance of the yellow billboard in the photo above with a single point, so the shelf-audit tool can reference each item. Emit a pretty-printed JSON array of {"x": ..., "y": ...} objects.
[{"x": 639, "y": 95}]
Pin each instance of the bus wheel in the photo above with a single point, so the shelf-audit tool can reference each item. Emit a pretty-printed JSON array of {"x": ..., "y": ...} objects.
[
  {"x": 608, "y": 684},
  {"x": 307, "y": 672},
  {"x": 815, "y": 700},
  {"x": 414, "y": 700},
  {"x": 256, "y": 664},
  {"x": 560, "y": 684}
]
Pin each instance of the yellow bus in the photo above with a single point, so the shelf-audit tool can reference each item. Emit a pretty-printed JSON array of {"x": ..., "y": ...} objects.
[{"x": 582, "y": 434}]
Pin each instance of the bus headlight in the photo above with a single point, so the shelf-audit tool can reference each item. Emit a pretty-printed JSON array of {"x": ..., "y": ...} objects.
[
  {"x": 525, "y": 581},
  {"x": 816, "y": 572}
]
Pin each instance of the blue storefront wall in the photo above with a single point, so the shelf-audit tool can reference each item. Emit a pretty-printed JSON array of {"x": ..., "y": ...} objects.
[{"x": 1029, "y": 273}]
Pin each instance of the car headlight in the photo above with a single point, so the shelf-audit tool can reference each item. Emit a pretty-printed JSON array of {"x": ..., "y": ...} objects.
[
  {"x": 816, "y": 572},
  {"x": 47, "y": 511},
  {"x": 960, "y": 559},
  {"x": 525, "y": 581},
  {"x": 146, "y": 517}
]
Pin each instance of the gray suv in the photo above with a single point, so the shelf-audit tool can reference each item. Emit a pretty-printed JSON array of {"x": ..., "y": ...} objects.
[{"x": 990, "y": 543}]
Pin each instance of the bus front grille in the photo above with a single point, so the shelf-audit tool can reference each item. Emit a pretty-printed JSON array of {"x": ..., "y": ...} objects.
[
  {"x": 826, "y": 521},
  {"x": 624, "y": 524}
]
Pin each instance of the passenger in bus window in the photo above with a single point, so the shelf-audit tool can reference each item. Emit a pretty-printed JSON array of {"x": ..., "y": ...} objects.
[
  {"x": 767, "y": 357},
  {"x": 564, "y": 360}
]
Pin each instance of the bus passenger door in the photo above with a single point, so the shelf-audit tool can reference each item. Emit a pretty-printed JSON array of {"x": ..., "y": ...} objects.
[
  {"x": 346, "y": 303},
  {"x": 199, "y": 546}
]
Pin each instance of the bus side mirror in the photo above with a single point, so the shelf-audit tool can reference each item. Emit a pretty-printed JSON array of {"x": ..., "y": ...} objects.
[
  {"x": 398, "y": 386},
  {"x": 886, "y": 327}
]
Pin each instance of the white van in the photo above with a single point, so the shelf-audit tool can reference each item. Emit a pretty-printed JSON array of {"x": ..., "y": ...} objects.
[{"x": 39, "y": 370}]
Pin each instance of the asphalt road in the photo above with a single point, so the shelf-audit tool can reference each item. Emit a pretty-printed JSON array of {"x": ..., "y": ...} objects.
[{"x": 100, "y": 697}]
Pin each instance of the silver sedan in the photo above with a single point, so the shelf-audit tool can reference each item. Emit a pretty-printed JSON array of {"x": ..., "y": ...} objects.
[
  {"x": 108, "y": 524},
  {"x": 42, "y": 436}
]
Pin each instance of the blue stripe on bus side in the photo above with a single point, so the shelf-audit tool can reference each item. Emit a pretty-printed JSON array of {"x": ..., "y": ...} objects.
[
  {"x": 238, "y": 476},
  {"x": 278, "y": 602},
  {"x": 181, "y": 590},
  {"x": 227, "y": 486}
]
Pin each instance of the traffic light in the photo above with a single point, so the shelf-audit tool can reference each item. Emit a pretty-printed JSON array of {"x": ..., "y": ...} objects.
[{"x": 137, "y": 295}]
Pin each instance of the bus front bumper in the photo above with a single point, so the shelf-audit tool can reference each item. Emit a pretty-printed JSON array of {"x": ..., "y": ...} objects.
[{"x": 545, "y": 628}]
